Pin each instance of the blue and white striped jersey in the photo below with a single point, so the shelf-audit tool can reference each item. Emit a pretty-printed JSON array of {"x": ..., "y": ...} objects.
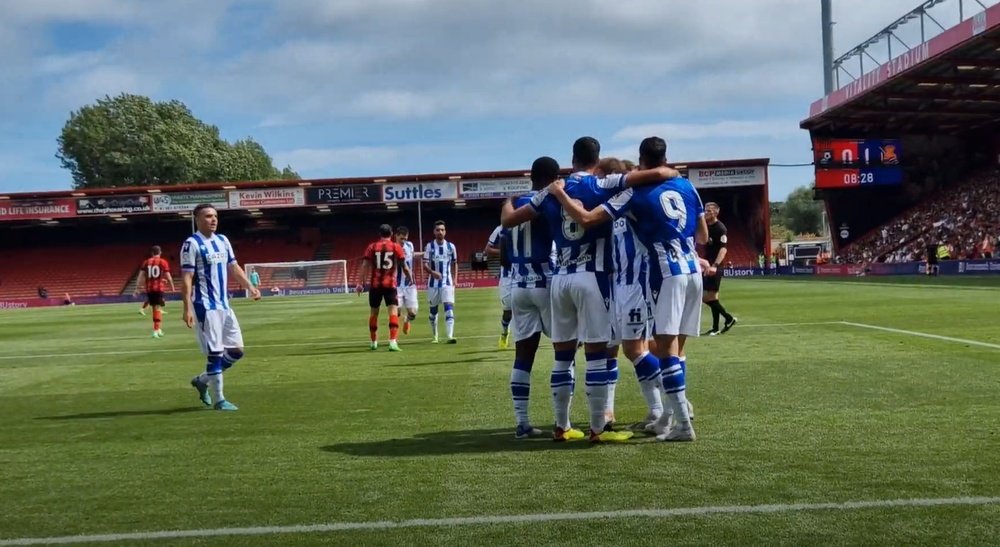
[
  {"x": 666, "y": 219},
  {"x": 531, "y": 252},
  {"x": 440, "y": 256},
  {"x": 630, "y": 256},
  {"x": 208, "y": 259},
  {"x": 499, "y": 237},
  {"x": 408, "y": 261},
  {"x": 580, "y": 250}
]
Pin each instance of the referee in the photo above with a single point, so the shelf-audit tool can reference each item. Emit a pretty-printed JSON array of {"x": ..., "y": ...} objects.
[{"x": 715, "y": 253}]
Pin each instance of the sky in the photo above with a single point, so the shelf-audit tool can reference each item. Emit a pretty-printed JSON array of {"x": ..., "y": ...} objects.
[{"x": 342, "y": 88}]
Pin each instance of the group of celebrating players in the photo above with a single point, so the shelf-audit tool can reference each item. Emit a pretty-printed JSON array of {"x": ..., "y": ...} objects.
[{"x": 603, "y": 259}]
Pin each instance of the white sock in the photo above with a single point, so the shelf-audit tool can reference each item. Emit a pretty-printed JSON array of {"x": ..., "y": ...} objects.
[
  {"x": 597, "y": 390},
  {"x": 647, "y": 369},
  {"x": 203, "y": 378},
  {"x": 520, "y": 384},
  {"x": 215, "y": 383},
  {"x": 562, "y": 390},
  {"x": 449, "y": 321},
  {"x": 434, "y": 325}
]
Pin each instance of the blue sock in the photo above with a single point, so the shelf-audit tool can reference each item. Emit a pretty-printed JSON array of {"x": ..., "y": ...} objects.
[{"x": 230, "y": 357}]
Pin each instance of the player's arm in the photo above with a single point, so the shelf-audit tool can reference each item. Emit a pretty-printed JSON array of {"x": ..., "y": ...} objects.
[
  {"x": 241, "y": 276},
  {"x": 140, "y": 282},
  {"x": 427, "y": 266},
  {"x": 701, "y": 235},
  {"x": 366, "y": 271},
  {"x": 511, "y": 217},
  {"x": 401, "y": 260},
  {"x": 650, "y": 176},
  {"x": 188, "y": 260},
  {"x": 454, "y": 265},
  {"x": 575, "y": 210},
  {"x": 723, "y": 251}
]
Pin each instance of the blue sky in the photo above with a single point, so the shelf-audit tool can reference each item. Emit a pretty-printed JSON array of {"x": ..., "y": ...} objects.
[{"x": 380, "y": 87}]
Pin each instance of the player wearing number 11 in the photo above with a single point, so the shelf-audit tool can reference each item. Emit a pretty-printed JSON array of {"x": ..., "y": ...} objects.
[{"x": 382, "y": 261}]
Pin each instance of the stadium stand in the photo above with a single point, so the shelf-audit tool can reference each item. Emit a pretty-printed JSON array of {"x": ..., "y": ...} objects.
[{"x": 960, "y": 217}]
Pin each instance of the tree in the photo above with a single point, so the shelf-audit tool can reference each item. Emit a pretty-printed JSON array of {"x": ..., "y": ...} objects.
[
  {"x": 801, "y": 213},
  {"x": 129, "y": 140}
]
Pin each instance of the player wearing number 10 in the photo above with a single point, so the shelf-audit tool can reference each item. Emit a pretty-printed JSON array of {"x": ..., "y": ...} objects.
[
  {"x": 382, "y": 261},
  {"x": 152, "y": 274}
]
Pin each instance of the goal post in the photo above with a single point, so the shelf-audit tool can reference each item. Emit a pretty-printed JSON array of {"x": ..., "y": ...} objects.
[{"x": 307, "y": 277}]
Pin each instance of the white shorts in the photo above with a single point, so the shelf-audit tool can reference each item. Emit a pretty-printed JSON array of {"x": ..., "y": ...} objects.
[
  {"x": 440, "y": 295},
  {"x": 677, "y": 306},
  {"x": 408, "y": 298},
  {"x": 532, "y": 312},
  {"x": 506, "y": 285},
  {"x": 632, "y": 313},
  {"x": 581, "y": 307},
  {"x": 217, "y": 330}
]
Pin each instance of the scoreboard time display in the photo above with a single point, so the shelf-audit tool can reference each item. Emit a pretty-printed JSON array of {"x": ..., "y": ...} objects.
[{"x": 848, "y": 163}]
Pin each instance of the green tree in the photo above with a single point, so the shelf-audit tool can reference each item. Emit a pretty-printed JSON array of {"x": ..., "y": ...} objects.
[
  {"x": 129, "y": 140},
  {"x": 802, "y": 214}
]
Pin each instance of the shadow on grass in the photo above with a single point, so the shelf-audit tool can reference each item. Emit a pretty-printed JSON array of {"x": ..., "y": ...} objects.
[
  {"x": 442, "y": 443},
  {"x": 125, "y": 413}
]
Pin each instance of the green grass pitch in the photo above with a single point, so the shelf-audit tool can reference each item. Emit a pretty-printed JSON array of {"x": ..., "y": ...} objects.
[{"x": 100, "y": 432}]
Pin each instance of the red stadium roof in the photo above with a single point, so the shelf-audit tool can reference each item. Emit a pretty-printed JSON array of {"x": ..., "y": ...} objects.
[
  {"x": 201, "y": 187},
  {"x": 948, "y": 84}
]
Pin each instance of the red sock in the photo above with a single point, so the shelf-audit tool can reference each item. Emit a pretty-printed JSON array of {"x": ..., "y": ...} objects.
[
  {"x": 373, "y": 327},
  {"x": 157, "y": 318},
  {"x": 393, "y": 326}
]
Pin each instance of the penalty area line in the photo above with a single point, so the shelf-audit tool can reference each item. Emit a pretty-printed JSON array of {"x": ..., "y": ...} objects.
[{"x": 506, "y": 519}]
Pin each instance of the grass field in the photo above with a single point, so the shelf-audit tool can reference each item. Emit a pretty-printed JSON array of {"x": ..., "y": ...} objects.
[{"x": 802, "y": 410}]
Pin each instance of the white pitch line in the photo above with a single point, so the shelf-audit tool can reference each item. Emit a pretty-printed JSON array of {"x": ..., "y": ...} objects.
[
  {"x": 506, "y": 519},
  {"x": 345, "y": 344},
  {"x": 774, "y": 325},
  {"x": 923, "y": 335}
]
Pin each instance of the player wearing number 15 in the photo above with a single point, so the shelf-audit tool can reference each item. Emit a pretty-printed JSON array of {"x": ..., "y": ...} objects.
[
  {"x": 382, "y": 261},
  {"x": 152, "y": 274}
]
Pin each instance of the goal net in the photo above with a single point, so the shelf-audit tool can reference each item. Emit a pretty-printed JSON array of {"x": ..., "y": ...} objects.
[{"x": 300, "y": 278}]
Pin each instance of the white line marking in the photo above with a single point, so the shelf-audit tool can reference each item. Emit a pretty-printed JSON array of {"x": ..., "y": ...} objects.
[
  {"x": 773, "y": 325},
  {"x": 808, "y": 281},
  {"x": 923, "y": 335},
  {"x": 360, "y": 344},
  {"x": 506, "y": 519}
]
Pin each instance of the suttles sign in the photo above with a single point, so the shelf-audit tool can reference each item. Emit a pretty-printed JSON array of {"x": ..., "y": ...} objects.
[{"x": 419, "y": 191}]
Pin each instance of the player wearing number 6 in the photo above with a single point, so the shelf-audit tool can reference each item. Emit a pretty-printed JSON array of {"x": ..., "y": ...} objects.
[
  {"x": 207, "y": 260},
  {"x": 669, "y": 219},
  {"x": 382, "y": 261},
  {"x": 153, "y": 272}
]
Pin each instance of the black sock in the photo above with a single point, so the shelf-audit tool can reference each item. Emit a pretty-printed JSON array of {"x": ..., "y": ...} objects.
[
  {"x": 723, "y": 312},
  {"x": 714, "y": 304}
]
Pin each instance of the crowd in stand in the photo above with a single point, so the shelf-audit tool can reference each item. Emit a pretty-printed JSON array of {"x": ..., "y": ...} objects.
[{"x": 964, "y": 219}]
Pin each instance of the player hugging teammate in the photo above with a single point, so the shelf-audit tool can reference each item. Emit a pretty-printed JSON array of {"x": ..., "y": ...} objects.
[{"x": 666, "y": 215}]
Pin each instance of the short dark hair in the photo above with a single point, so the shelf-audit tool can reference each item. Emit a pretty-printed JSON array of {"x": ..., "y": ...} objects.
[
  {"x": 201, "y": 207},
  {"x": 155, "y": 250},
  {"x": 653, "y": 151},
  {"x": 385, "y": 230},
  {"x": 438, "y": 223},
  {"x": 544, "y": 170},
  {"x": 402, "y": 230},
  {"x": 586, "y": 152}
]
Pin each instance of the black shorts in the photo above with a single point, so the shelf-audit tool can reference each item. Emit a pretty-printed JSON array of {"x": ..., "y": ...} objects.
[
  {"x": 713, "y": 282},
  {"x": 377, "y": 295},
  {"x": 155, "y": 298},
  {"x": 932, "y": 260}
]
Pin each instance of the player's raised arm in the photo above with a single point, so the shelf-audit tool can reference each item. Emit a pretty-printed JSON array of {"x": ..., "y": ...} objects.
[
  {"x": 650, "y": 176},
  {"x": 510, "y": 217},
  {"x": 583, "y": 217}
]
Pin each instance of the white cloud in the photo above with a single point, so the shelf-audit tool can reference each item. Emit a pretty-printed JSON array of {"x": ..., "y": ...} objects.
[
  {"x": 319, "y": 159},
  {"x": 729, "y": 129}
]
